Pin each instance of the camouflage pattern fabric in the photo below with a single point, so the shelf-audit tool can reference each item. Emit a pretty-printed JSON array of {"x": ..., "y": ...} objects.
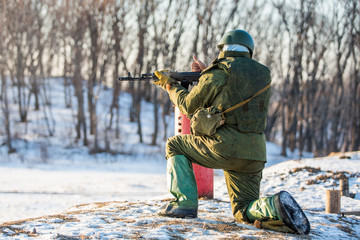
[
  {"x": 238, "y": 147},
  {"x": 232, "y": 78}
]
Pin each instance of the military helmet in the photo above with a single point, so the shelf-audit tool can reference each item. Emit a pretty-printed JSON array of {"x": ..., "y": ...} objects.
[{"x": 237, "y": 37}]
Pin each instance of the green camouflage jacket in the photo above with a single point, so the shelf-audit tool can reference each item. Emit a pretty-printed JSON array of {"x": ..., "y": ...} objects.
[{"x": 232, "y": 78}]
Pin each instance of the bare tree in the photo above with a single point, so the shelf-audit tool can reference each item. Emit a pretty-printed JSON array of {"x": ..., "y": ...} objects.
[
  {"x": 95, "y": 14},
  {"x": 17, "y": 16},
  {"x": 339, "y": 28},
  {"x": 169, "y": 25},
  {"x": 142, "y": 16},
  {"x": 63, "y": 16},
  {"x": 118, "y": 31},
  {"x": 352, "y": 10},
  {"x": 5, "y": 110},
  {"x": 77, "y": 32},
  {"x": 4, "y": 83}
]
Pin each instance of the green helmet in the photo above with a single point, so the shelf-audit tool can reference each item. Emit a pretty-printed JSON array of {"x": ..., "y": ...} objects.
[{"x": 237, "y": 37}]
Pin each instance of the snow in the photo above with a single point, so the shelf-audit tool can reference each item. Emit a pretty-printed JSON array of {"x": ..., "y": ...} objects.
[
  {"x": 120, "y": 200},
  {"x": 60, "y": 191},
  {"x": 35, "y": 192}
]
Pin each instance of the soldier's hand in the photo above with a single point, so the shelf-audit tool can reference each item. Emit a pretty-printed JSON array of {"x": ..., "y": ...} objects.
[
  {"x": 164, "y": 80},
  {"x": 197, "y": 65}
]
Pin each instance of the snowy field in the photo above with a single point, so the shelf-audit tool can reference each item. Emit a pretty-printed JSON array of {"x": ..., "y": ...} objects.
[
  {"x": 33, "y": 190},
  {"x": 120, "y": 200}
]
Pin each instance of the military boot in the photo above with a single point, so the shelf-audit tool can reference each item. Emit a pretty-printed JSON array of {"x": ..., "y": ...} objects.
[
  {"x": 182, "y": 185},
  {"x": 172, "y": 209},
  {"x": 281, "y": 206}
]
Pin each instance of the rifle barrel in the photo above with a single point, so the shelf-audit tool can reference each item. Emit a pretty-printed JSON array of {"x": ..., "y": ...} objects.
[{"x": 189, "y": 77}]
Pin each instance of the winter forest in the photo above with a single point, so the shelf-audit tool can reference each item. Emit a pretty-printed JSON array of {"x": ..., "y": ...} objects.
[{"x": 311, "y": 46}]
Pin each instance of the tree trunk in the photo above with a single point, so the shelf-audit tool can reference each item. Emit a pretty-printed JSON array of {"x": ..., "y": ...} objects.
[
  {"x": 156, "y": 118},
  {"x": 6, "y": 111}
]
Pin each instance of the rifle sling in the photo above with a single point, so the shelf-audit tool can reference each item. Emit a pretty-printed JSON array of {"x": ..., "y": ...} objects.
[{"x": 247, "y": 100}]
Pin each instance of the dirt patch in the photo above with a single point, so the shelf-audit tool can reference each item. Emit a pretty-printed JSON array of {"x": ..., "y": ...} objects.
[
  {"x": 18, "y": 222},
  {"x": 103, "y": 204},
  {"x": 76, "y": 212},
  {"x": 174, "y": 233},
  {"x": 323, "y": 176},
  {"x": 66, "y": 218},
  {"x": 66, "y": 237},
  {"x": 308, "y": 169},
  {"x": 133, "y": 235},
  {"x": 125, "y": 220},
  {"x": 340, "y": 155},
  {"x": 13, "y": 231},
  {"x": 329, "y": 175},
  {"x": 346, "y": 229},
  {"x": 223, "y": 227}
]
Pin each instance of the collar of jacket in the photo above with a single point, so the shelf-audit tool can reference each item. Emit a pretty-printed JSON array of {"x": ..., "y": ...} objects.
[{"x": 233, "y": 54}]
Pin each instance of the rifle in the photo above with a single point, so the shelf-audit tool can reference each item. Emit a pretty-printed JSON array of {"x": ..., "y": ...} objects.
[{"x": 185, "y": 78}]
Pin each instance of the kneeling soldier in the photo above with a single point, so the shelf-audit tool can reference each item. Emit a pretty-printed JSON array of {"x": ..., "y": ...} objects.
[{"x": 238, "y": 146}]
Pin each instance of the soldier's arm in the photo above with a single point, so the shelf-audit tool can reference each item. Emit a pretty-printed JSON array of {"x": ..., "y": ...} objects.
[{"x": 202, "y": 95}]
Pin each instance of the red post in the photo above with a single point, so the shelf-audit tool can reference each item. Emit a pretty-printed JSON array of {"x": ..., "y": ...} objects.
[{"x": 204, "y": 176}]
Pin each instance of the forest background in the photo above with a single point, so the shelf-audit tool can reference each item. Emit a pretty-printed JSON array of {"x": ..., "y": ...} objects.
[{"x": 311, "y": 46}]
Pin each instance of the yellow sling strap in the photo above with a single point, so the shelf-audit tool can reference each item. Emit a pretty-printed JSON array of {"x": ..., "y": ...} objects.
[{"x": 247, "y": 100}]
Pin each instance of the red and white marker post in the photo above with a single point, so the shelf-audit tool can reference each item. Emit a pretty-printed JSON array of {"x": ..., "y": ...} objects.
[{"x": 204, "y": 176}]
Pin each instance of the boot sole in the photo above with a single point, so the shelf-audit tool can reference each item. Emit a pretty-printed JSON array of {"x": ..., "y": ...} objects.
[
  {"x": 291, "y": 213},
  {"x": 169, "y": 211},
  {"x": 177, "y": 215}
]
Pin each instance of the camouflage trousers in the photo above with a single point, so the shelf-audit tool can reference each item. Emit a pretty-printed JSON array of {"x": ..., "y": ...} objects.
[{"x": 242, "y": 176}]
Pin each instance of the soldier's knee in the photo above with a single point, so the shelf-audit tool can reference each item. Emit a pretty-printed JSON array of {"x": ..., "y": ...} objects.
[
  {"x": 170, "y": 143},
  {"x": 171, "y": 149}
]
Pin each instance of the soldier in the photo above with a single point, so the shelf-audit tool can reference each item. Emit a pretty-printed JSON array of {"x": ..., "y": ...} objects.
[{"x": 238, "y": 146}]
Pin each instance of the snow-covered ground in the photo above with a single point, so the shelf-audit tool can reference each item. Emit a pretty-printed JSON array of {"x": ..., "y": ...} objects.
[
  {"x": 33, "y": 190},
  {"x": 115, "y": 200}
]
